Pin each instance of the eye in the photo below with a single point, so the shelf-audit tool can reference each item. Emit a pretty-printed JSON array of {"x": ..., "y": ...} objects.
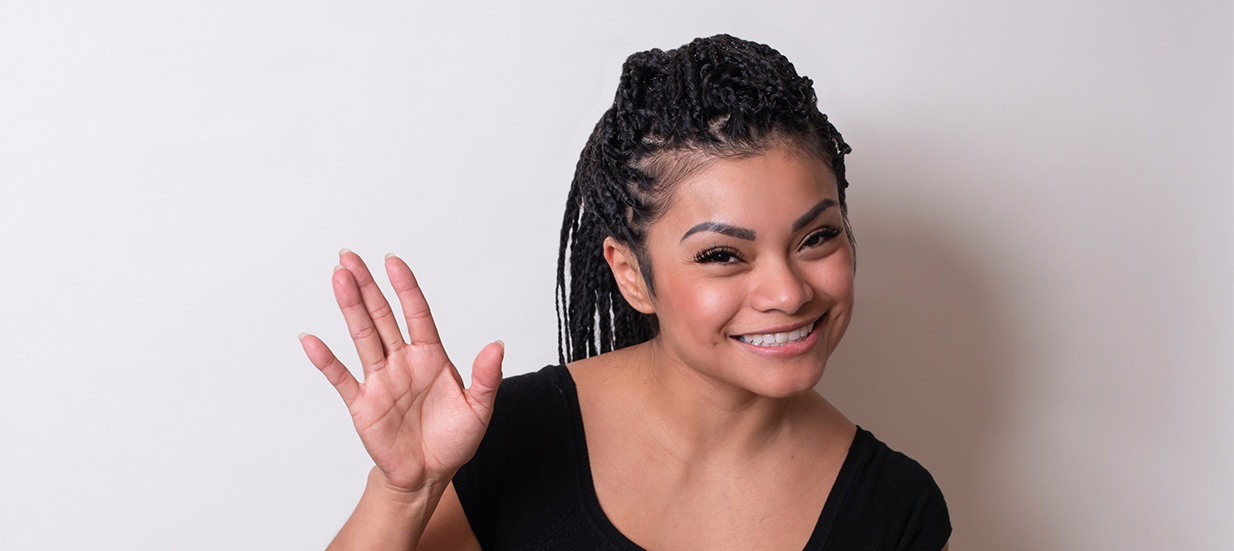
[
  {"x": 719, "y": 255},
  {"x": 820, "y": 237}
]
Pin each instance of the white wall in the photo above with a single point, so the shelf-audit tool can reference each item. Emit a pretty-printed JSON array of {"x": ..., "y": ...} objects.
[{"x": 1042, "y": 198}]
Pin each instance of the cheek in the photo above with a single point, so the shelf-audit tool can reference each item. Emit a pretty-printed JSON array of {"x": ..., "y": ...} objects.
[
  {"x": 834, "y": 277},
  {"x": 838, "y": 284},
  {"x": 835, "y": 282},
  {"x": 697, "y": 306}
]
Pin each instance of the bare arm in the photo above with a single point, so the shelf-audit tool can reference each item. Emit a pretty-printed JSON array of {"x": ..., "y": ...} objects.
[
  {"x": 386, "y": 518},
  {"x": 449, "y": 529}
]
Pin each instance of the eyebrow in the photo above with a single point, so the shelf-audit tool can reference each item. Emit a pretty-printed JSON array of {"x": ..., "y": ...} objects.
[
  {"x": 813, "y": 213},
  {"x": 748, "y": 234},
  {"x": 722, "y": 228}
]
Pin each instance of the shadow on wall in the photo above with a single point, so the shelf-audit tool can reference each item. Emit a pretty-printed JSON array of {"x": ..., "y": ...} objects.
[{"x": 921, "y": 366}]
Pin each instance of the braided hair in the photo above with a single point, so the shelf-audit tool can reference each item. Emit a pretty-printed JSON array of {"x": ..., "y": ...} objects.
[{"x": 717, "y": 97}]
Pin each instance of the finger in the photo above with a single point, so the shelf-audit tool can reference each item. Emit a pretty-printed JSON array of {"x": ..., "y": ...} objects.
[
  {"x": 420, "y": 326},
  {"x": 359, "y": 324},
  {"x": 486, "y": 376},
  {"x": 378, "y": 308},
  {"x": 338, "y": 374}
]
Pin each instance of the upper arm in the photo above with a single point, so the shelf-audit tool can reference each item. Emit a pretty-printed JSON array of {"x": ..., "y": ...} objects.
[{"x": 448, "y": 528}]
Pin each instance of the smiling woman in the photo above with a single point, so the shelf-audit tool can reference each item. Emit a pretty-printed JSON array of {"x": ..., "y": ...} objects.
[
  {"x": 705, "y": 276},
  {"x": 747, "y": 257}
]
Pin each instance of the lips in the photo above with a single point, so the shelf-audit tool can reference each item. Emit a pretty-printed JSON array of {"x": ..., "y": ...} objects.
[{"x": 771, "y": 340}]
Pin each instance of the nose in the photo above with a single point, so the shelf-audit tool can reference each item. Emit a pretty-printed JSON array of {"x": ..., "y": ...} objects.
[{"x": 779, "y": 287}]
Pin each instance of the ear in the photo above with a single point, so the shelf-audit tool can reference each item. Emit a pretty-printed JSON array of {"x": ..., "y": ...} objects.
[{"x": 629, "y": 279}]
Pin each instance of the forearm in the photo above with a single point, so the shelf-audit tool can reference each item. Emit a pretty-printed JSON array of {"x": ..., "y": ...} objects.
[{"x": 387, "y": 519}]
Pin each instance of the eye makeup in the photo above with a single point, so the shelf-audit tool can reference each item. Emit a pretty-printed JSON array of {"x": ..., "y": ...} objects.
[
  {"x": 720, "y": 254},
  {"x": 819, "y": 237}
]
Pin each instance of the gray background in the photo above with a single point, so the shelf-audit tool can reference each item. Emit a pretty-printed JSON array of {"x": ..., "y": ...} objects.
[{"x": 1042, "y": 199}]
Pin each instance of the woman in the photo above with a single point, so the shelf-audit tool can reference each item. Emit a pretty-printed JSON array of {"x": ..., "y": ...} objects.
[{"x": 710, "y": 275}]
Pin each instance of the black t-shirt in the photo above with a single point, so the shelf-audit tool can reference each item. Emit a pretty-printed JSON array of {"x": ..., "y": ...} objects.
[{"x": 529, "y": 486}]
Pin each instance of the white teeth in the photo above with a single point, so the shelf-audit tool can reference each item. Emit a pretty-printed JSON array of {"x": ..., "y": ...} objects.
[{"x": 778, "y": 339}]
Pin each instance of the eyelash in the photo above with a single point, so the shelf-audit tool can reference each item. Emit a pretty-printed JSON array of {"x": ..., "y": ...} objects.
[
  {"x": 723, "y": 255},
  {"x": 825, "y": 233},
  {"x": 718, "y": 254}
]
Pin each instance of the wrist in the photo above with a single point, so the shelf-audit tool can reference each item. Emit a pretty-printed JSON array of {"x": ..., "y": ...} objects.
[
  {"x": 416, "y": 497},
  {"x": 388, "y": 516}
]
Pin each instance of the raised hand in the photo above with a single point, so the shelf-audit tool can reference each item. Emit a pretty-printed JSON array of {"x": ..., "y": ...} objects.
[{"x": 415, "y": 418}]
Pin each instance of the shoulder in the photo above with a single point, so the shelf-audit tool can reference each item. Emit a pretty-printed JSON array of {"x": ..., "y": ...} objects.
[
  {"x": 525, "y": 468},
  {"x": 889, "y": 496},
  {"x": 548, "y": 377},
  {"x": 530, "y": 417},
  {"x": 888, "y": 471},
  {"x": 525, "y": 402}
]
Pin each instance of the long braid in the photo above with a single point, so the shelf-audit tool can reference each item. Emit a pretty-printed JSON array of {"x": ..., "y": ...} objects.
[
  {"x": 715, "y": 97},
  {"x": 569, "y": 227}
]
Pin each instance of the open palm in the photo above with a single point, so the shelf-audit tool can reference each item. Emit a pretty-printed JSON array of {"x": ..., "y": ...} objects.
[{"x": 415, "y": 418}]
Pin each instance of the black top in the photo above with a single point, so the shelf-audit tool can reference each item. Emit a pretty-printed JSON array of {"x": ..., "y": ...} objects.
[{"x": 529, "y": 486}]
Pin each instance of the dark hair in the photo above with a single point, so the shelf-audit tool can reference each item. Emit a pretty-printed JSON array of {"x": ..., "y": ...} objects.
[{"x": 675, "y": 111}]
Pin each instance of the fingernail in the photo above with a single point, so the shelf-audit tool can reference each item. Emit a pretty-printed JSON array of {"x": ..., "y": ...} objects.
[
  {"x": 343, "y": 251},
  {"x": 388, "y": 255},
  {"x": 302, "y": 335},
  {"x": 502, "y": 344},
  {"x": 338, "y": 267}
]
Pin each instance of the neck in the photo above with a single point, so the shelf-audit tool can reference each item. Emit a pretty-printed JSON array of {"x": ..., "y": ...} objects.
[{"x": 700, "y": 418}]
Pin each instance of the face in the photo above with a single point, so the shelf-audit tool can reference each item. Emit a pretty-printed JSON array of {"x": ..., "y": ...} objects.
[{"x": 753, "y": 272}]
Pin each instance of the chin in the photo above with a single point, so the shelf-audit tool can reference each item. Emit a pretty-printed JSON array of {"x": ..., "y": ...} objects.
[{"x": 786, "y": 381}]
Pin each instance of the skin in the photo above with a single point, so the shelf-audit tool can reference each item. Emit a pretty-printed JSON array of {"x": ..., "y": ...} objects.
[
  {"x": 415, "y": 418},
  {"x": 697, "y": 440},
  {"x": 713, "y": 434}
]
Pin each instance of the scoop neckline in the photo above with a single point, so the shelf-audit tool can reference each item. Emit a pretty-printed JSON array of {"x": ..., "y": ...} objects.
[{"x": 591, "y": 501}]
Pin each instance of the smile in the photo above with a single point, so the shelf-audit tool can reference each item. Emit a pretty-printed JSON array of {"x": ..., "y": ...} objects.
[{"x": 778, "y": 339}]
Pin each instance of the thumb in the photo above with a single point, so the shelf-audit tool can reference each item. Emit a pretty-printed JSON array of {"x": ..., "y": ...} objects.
[{"x": 486, "y": 375}]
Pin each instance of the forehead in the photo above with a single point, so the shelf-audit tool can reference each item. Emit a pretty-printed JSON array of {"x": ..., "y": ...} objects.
[{"x": 762, "y": 190}]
